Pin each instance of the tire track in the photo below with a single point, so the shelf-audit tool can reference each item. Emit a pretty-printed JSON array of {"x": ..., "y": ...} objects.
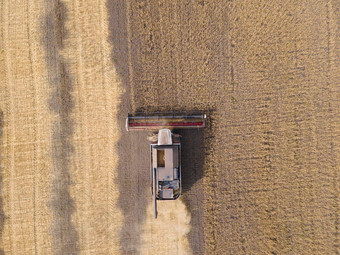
[
  {"x": 35, "y": 131},
  {"x": 2, "y": 72},
  {"x": 65, "y": 236},
  {"x": 23, "y": 140},
  {"x": 10, "y": 135},
  {"x": 2, "y": 213},
  {"x": 333, "y": 29},
  {"x": 84, "y": 130}
]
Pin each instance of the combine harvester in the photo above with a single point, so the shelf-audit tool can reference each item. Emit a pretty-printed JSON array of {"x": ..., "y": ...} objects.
[{"x": 165, "y": 150}]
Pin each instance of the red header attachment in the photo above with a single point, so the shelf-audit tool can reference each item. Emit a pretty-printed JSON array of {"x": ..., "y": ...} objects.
[{"x": 156, "y": 122}]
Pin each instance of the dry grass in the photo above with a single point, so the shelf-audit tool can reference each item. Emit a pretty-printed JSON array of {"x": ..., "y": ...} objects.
[
  {"x": 263, "y": 177},
  {"x": 59, "y": 97},
  {"x": 167, "y": 234}
]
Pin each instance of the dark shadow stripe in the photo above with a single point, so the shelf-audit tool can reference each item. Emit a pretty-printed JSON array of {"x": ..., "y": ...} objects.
[
  {"x": 133, "y": 199},
  {"x": 2, "y": 213},
  {"x": 64, "y": 234}
]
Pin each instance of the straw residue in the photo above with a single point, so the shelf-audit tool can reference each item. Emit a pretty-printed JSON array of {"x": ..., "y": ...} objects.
[{"x": 168, "y": 233}]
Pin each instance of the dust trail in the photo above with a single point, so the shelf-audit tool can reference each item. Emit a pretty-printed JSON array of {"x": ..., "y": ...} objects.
[
  {"x": 65, "y": 236},
  {"x": 168, "y": 233},
  {"x": 2, "y": 213}
]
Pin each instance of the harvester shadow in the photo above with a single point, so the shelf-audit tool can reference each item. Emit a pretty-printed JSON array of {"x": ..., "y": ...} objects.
[{"x": 192, "y": 158}]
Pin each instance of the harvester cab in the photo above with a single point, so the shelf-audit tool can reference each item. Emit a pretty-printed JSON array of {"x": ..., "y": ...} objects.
[{"x": 165, "y": 150}]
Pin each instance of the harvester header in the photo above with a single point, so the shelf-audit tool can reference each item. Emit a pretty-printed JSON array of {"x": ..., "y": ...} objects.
[{"x": 154, "y": 121}]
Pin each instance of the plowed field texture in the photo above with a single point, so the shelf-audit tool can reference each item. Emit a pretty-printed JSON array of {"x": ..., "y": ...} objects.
[{"x": 263, "y": 176}]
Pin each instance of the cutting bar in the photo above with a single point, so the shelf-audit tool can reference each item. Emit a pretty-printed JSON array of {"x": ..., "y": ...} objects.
[{"x": 156, "y": 122}]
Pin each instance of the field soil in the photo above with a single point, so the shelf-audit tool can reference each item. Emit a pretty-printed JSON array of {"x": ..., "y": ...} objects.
[{"x": 263, "y": 177}]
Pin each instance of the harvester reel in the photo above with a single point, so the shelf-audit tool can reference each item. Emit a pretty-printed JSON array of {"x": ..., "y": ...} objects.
[{"x": 154, "y": 123}]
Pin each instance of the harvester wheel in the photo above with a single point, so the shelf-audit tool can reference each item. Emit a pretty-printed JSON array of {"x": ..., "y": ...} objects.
[{"x": 152, "y": 137}]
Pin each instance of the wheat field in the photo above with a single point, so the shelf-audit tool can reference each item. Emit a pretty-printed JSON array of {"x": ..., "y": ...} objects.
[{"x": 263, "y": 177}]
